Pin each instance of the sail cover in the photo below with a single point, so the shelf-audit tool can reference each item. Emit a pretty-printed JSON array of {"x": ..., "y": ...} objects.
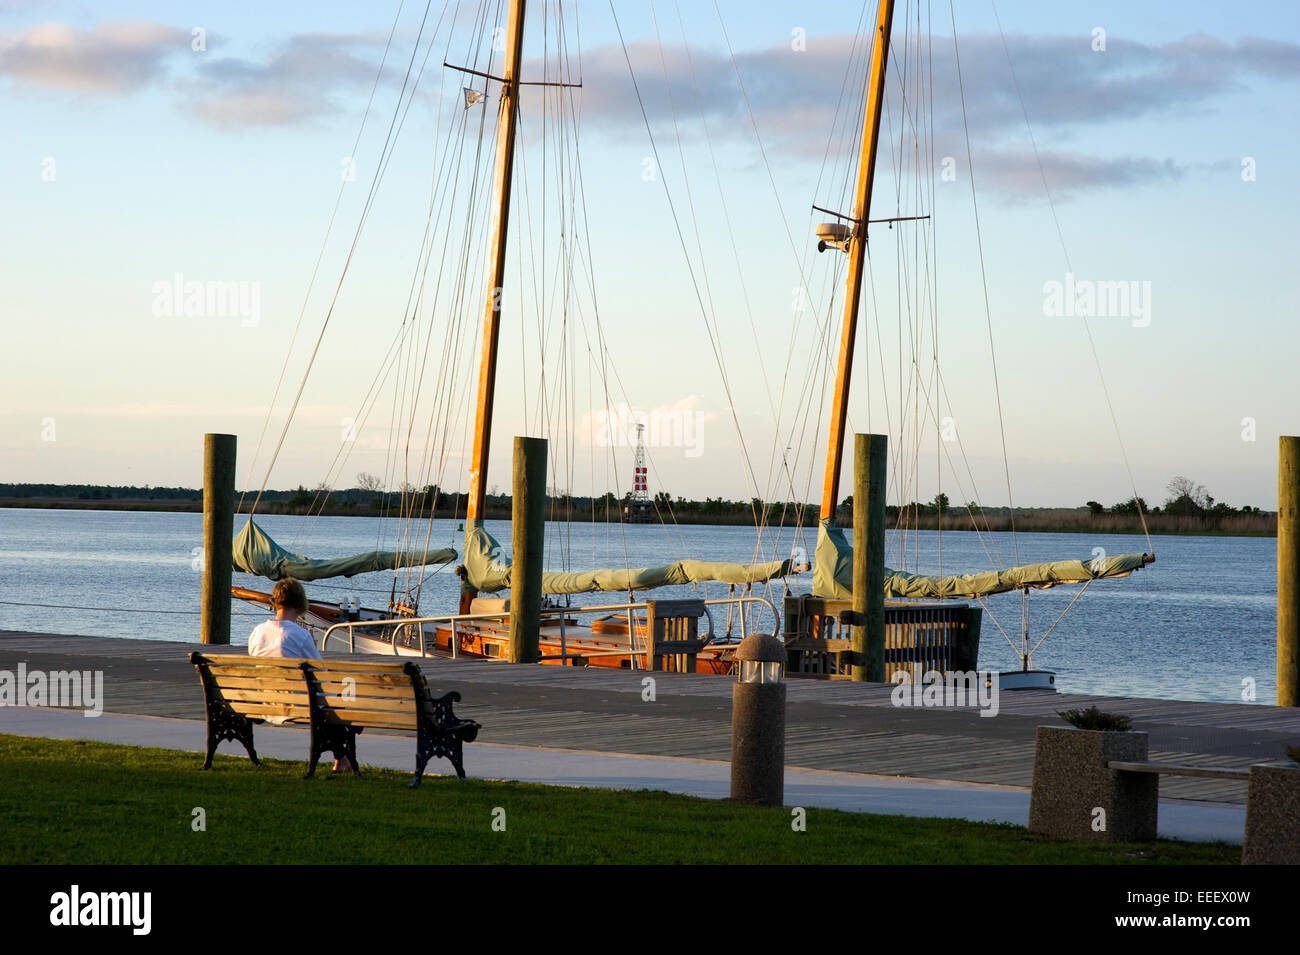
[
  {"x": 488, "y": 570},
  {"x": 256, "y": 553},
  {"x": 833, "y": 573}
]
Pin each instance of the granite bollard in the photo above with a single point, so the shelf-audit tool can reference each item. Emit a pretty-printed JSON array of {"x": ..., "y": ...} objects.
[
  {"x": 1072, "y": 782},
  {"x": 1272, "y": 815}
]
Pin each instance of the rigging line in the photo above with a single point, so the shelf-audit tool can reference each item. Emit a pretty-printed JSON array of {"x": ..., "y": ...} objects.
[
  {"x": 726, "y": 212},
  {"x": 316, "y": 269},
  {"x": 984, "y": 603},
  {"x": 356, "y": 239},
  {"x": 19, "y": 603},
  {"x": 1092, "y": 346},
  {"x": 610, "y": 461},
  {"x": 932, "y": 405},
  {"x": 407, "y": 507},
  {"x": 408, "y": 325},
  {"x": 800, "y": 261},
  {"x": 1058, "y": 619},
  {"x": 988, "y": 313},
  {"x": 760, "y": 522},
  {"x": 750, "y": 477},
  {"x": 440, "y": 395},
  {"x": 731, "y": 235}
]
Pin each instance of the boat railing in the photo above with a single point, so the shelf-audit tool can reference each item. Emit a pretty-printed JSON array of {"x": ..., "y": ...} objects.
[{"x": 458, "y": 620}]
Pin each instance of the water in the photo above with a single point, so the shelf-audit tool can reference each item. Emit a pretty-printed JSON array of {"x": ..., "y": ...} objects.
[{"x": 1192, "y": 626}]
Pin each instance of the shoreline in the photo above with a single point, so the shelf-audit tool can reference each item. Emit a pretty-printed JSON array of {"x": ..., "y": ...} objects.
[{"x": 1028, "y": 520}]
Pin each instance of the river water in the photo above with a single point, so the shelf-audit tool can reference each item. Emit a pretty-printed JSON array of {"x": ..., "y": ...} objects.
[{"x": 1195, "y": 625}]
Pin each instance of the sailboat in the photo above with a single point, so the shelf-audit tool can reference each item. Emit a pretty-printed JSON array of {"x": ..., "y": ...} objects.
[
  {"x": 478, "y": 629},
  {"x": 618, "y": 638}
]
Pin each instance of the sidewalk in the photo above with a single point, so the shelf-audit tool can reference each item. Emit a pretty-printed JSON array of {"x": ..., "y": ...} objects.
[{"x": 852, "y": 792}]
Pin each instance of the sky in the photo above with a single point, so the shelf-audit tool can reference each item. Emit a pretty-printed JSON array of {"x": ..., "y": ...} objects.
[{"x": 1145, "y": 149}]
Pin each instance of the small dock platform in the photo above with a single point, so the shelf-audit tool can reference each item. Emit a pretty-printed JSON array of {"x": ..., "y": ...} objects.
[{"x": 830, "y": 725}]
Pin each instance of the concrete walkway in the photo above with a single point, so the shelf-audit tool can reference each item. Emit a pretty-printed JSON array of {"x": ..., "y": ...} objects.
[{"x": 853, "y": 792}]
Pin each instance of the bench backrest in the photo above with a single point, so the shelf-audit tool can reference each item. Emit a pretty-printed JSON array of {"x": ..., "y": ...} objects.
[
  {"x": 260, "y": 688},
  {"x": 379, "y": 695}
]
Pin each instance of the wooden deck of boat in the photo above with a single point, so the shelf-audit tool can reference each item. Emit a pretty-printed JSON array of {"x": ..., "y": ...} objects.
[{"x": 841, "y": 726}]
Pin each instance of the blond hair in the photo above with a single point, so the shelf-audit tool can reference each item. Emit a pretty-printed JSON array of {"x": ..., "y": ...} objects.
[{"x": 289, "y": 595}]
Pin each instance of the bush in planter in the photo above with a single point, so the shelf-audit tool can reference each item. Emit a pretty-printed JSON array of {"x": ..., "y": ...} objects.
[
  {"x": 1094, "y": 719},
  {"x": 1293, "y": 753}
]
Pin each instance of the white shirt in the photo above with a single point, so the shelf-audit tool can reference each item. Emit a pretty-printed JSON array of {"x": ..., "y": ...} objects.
[{"x": 282, "y": 638}]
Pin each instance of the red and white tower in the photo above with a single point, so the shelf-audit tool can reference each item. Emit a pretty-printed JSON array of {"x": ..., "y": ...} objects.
[
  {"x": 639, "y": 510},
  {"x": 640, "y": 489}
]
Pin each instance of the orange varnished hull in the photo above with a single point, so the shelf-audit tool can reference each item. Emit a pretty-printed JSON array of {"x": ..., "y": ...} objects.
[{"x": 581, "y": 643}]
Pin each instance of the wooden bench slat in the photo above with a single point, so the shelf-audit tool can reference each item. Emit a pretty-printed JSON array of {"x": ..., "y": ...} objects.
[
  {"x": 338, "y": 702},
  {"x": 263, "y": 710},
  {"x": 266, "y": 696},
  {"x": 1179, "y": 769},
  {"x": 226, "y": 682},
  {"x": 263, "y": 671},
  {"x": 364, "y": 679},
  {"x": 368, "y": 690},
  {"x": 396, "y": 668},
  {"x": 364, "y": 718},
  {"x": 228, "y": 659}
]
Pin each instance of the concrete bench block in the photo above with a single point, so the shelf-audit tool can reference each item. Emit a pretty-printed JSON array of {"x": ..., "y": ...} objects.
[
  {"x": 1273, "y": 815},
  {"x": 1072, "y": 782}
]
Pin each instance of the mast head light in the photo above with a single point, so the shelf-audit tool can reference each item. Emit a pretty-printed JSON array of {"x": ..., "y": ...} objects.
[{"x": 833, "y": 235}]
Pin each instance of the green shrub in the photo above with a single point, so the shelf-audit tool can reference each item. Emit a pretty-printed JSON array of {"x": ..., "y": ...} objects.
[
  {"x": 1094, "y": 719},
  {"x": 1293, "y": 753}
]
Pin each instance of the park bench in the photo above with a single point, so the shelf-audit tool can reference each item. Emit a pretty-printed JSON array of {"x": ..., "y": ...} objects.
[
  {"x": 335, "y": 699},
  {"x": 1178, "y": 769}
]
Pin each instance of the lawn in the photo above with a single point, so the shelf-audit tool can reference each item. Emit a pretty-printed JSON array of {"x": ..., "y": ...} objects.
[{"x": 81, "y": 803}]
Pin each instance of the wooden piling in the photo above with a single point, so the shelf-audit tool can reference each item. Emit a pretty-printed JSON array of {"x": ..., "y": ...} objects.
[
  {"x": 1288, "y": 571},
  {"x": 218, "y": 536},
  {"x": 528, "y": 530},
  {"x": 869, "y": 557}
]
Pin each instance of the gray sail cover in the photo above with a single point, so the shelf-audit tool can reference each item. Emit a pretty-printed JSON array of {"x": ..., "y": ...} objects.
[
  {"x": 256, "y": 553},
  {"x": 833, "y": 573},
  {"x": 488, "y": 569}
]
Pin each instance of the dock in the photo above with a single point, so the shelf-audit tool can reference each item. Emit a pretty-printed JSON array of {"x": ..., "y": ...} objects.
[{"x": 830, "y": 725}]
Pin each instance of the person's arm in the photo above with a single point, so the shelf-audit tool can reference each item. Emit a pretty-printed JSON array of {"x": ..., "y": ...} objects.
[{"x": 304, "y": 644}]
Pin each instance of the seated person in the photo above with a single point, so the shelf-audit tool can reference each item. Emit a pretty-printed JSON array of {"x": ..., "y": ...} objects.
[{"x": 285, "y": 637}]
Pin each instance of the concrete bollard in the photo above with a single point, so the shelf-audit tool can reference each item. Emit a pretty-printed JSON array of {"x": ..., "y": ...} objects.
[{"x": 758, "y": 722}]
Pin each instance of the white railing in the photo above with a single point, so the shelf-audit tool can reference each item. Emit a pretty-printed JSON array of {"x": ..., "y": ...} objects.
[{"x": 632, "y": 650}]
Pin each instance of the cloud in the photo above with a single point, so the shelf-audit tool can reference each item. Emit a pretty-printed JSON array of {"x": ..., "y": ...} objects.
[
  {"x": 297, "y": 82},
  {"x": 110, "y": 58},
  {"x": 801, "y": 100},
  {"x": 806, "y": 104}
]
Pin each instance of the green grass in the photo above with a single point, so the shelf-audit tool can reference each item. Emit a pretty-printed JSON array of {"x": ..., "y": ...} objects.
[{"x": 84, "y": 803}]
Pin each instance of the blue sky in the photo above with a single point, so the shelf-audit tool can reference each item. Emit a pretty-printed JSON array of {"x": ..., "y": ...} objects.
[{"x": 222, "y": 164}]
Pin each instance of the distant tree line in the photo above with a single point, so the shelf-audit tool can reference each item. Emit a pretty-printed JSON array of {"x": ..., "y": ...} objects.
[
  {"x": 1186, "y": 499},
  {"x": 1189, "y": 508}
]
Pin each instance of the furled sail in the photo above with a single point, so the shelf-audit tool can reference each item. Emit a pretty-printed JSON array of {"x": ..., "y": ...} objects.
[
  {"x": 833, "y": 573},
  {"x": 488, "y": 570},
  {"x": 256, "y": 553}
]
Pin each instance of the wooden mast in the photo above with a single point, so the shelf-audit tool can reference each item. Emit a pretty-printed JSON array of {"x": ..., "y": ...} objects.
[
  {"x": 487, "y": 377},
  {"x": 856, "y": 248}
]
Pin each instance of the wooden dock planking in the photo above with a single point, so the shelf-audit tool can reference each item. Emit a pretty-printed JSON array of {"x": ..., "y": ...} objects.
[{"x": 832, "y": 725}]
